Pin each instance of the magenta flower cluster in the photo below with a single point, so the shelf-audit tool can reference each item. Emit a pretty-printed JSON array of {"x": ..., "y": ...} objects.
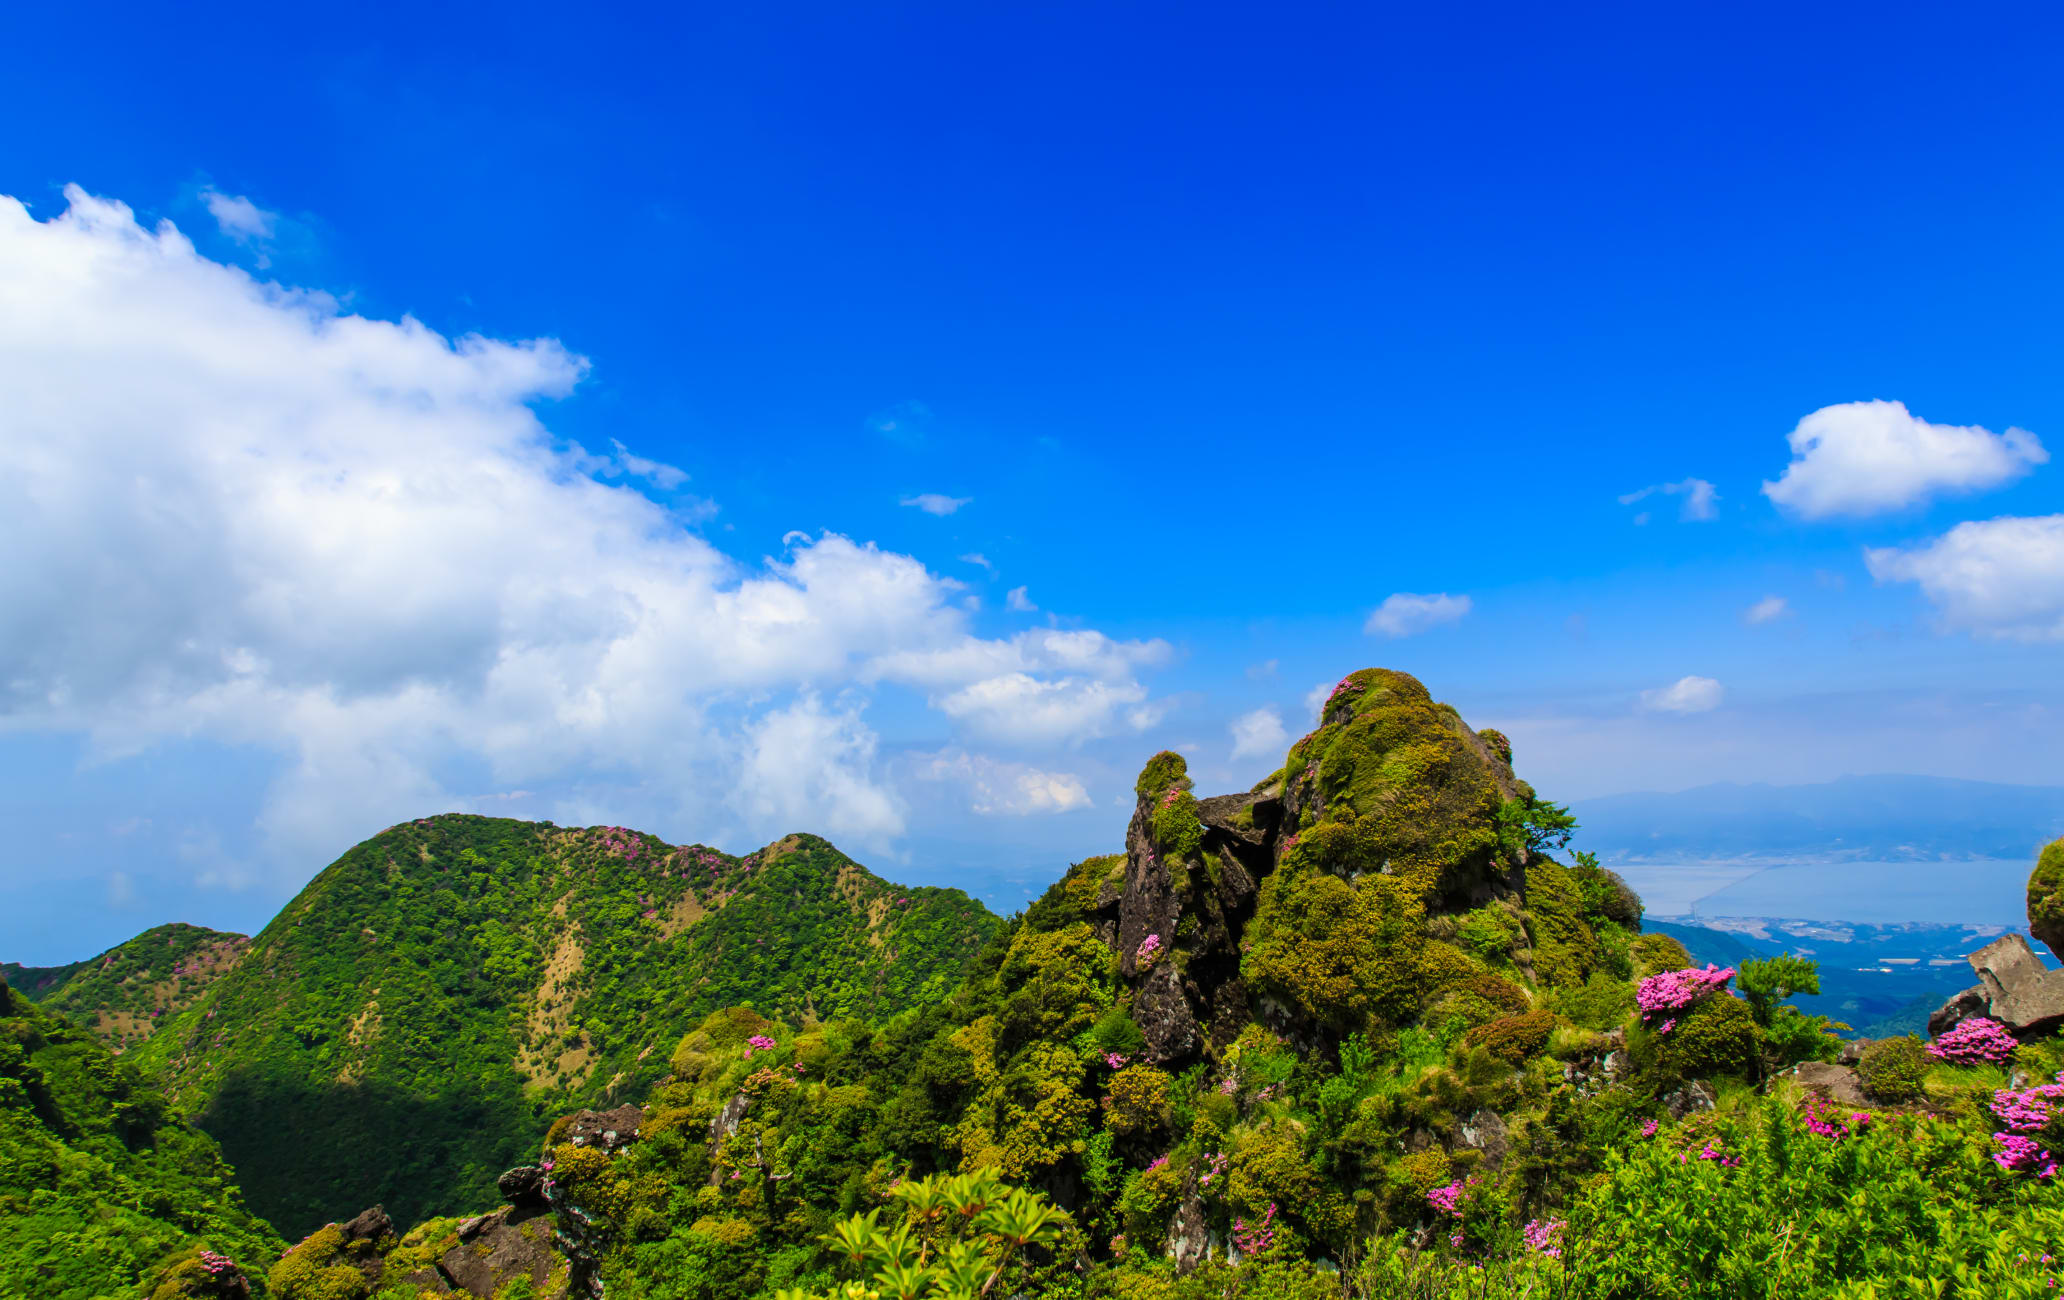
[
  {"x": 1214, "y": 1165},
  {"x": 1648, "y": 1130},
  {"x": 217, "y": 1265},
  {"x": 1544, "y": 1237},
  {"x": 1835, "y": 1127},
  {"x": 1448, "y": 1200},
  {"x": 1115, "y": 1060},
  {"x": 1977, "y": 1041},
  {"x": 1257, "y": 1239},
  {"x": 1344, "y": 686},
  {"x": 2024, "y": 1113},
  {"x": 759, "y": 1043},
  {"x": 1666, "y": 997},
  {"x": 1148, "y": 947},
  {"x": 1712, "y": 1152}
]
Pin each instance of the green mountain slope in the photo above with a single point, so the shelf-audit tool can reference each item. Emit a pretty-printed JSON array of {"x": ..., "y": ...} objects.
[
  {"x": 104, "y": 1191},
  {"x": 124, "y": 994},
  {"x": 405, "y": 1028},
  {"x": 38, "y": 982}
]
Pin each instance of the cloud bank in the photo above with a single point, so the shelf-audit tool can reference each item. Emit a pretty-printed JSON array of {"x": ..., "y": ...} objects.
[
  {"x": 239, "y": 513},
  {"x": 1998, "y": 578}
]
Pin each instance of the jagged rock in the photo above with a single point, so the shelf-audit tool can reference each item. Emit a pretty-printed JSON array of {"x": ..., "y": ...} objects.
[
  {"x": 523, "y": 1185},
  {"x": 1963, "y": 1006},
  {"x": 495, "y": 1249},
  {"x": 1164, "y": 1016},
  {"x": 369, "y": 1225},
  {"x": 1837, "y": 1083},
  {"x": 1189, "y": 1236},
  {"x": 725, "y": 1124},
  {"x": 1249, "y": 818},
  {"x": 1697, "y": 1095},
  {"x": 1852, "y": 1050},
  {"x": 607, "y": 1129},
  {"x": 2013, "y": 988},
  {"x": 1485, "y": 1132}
]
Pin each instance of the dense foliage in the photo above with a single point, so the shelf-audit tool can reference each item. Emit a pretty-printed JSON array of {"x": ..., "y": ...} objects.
[
  {"x": 416, "y": 1016},
  {"x": 104, "y": 1191}
]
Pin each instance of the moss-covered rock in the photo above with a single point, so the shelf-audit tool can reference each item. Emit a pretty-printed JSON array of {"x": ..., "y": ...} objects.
[
  {"x": 2046, "y": 897},
  {"x": 1422, "y": 788}
]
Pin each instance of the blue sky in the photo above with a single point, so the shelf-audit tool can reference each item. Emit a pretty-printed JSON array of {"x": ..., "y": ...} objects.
[{"x": 1209, "y": 331}]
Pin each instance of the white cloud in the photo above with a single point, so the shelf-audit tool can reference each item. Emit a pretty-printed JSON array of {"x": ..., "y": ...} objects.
[
  {"x": 999, "y": 789},
  {"x": 807, "y": 768},
  {"x": 239, "y": 218},
  {"x": 1259, "y": 732},
  {"x": 1766, "y": 610},
  {"x": 976, "y": 557},
  {"x": 1018, "y": 708},
  {"x": 1263, "y": 671},
  {"x": 1407, "y": 614},
  {"x": 1700, "y": 498},
  {"x": 1018, "y": 602},
  {"x": 1685, "y": 695},
  {"x": 238, "y": 515},
  {"x": 2001, "y": 578},
  {"x": 1864, "y": 458},
  {"x": 933, "y": 503}
]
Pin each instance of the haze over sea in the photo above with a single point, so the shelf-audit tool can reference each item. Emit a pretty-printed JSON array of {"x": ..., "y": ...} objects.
[{"x": 1979, "y": 891}]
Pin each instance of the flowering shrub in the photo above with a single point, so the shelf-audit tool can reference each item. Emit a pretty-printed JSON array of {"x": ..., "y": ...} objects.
[
  {"x": 2026, "y": 1113},
  {"x": 1149, "y": 949},
  {"x": 1977, "y": 1041},
  {"x": 1665, "y": 998},
  {"x": 1544, "y": 1237},
  {"x": 1447, "y": 1201},
  {"x": 759, "y": 1043},
  {"x": 1833, "y": 1126},
  {"x": 1257, "y": 1239}
]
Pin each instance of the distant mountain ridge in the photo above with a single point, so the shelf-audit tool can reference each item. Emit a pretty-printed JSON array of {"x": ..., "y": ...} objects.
[
  {"x": 1881, "y": 818},
  {"x": 124, "y": 994},
  {"x": 418, "y": 1014}
]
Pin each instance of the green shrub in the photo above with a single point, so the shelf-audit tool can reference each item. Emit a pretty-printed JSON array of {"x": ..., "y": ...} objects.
[
  {"x": 2046, "y": 897},
  {"x": 1514, "y": 1039},
  {"x": 1715, "y": 1037},
  {"x": 1894, "y": 1069}
]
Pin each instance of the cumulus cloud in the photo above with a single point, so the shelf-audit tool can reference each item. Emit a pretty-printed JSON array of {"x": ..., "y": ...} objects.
[
  {"x": 1001, "y": 789},
  {"x": 1700, "y": 499},
  {"x": 1407, "y": 613},
  {"x": 1685, "y": 695},
  {"x": 1259, "y": 732},
  {"x": 237, "y": 513},
  {"x": 933, "y": 503},
  {"x": 1018, "y": 602},
  {"x": 1766, "y": 610},
  {"x": 2001, "y": 578},
  {"x": 1865, "y": 458}
]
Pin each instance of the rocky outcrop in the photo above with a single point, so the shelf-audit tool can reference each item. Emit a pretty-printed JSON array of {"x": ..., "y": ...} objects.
[
  {"x": 496, "y": 1249},
  {"x": 1836, "y": 1083},
  {"x": 2013, "y": 988},
  {"x": 605, "y": 1130}
]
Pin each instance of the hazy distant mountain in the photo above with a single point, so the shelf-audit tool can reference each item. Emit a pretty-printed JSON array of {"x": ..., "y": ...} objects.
[{"x": 1884, "y": 818}]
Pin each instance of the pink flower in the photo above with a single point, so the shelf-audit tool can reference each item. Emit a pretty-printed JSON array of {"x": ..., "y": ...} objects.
[
  {"x": 1662, "y": 997},
  {"x": 1114, "y": 1060},
  {"x": 1544, "y": 1237},
  {"x": 1975, "y": 1041},
  {"x": 1448, "y": 1200}
]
